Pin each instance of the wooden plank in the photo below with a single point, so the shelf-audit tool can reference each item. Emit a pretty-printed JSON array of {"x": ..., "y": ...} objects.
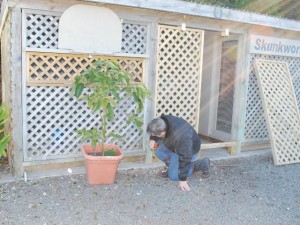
[
  {"x": 150, "y": 83},
  {"x": 45, "y": 69},
  {"x": 198, "y": 113},
  {"x": 218, "y": 145},
  {"x": 258, "y": 146},
  {"x": 16, "y": 78},
  {"x": 242, "y": 80},
  {"x": 65, "y": 51},
  {"x": 40, "y": 165}
]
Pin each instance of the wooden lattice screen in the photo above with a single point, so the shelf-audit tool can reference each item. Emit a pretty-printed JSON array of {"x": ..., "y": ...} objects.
[
  {"x": 52, "y": 116},
  {"x": 281, "y": 110},
  {"x": 179, "y": 73},
  {"x": 256, "y": 127}
]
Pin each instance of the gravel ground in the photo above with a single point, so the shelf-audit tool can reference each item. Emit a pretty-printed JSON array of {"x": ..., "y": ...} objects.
[{"x": 239, "y": 191}]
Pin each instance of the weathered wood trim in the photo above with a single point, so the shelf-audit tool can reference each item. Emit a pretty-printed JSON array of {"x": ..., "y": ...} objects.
[
  {"x": 64, "y": 163},
  {"x": 239, "y": 100},
  {"x": 249, "y": 147},
  {"x": 231, "y": 146},
  {"x": 198, "y": 113},
  {"x": 150, "y": 82},
  {"x": 218, "y": 145},
  {"x": 243, "y": 90},
  {"x": 170, "y": 6},
  {"x": 24, "y": 74},
  {"x": 16, "y": 77},
  {"x": 65, "y": 51}
]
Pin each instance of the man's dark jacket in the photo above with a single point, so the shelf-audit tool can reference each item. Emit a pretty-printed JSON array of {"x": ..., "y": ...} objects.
[{"x": 182, "y": 139}]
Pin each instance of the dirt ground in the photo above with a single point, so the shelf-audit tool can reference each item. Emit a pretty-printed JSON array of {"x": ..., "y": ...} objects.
[{"x": 239, "y": 191}]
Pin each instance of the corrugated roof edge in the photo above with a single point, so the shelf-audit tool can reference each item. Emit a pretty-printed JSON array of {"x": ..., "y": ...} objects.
[{"x": 209, "y": 11}]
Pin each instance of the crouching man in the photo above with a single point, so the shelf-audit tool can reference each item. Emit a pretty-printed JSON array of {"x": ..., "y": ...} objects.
[{"x": 177, "y": 144}]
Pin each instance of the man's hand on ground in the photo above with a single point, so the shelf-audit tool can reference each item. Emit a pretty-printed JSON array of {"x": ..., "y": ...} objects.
[{"x": 183, "y": 185}]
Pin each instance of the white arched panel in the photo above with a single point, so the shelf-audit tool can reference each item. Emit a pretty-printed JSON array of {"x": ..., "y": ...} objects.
[{"x": 87, "y": 28}]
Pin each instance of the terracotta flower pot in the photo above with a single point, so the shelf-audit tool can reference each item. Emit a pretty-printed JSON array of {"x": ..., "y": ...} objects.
[{"x": 101, "y": 169}]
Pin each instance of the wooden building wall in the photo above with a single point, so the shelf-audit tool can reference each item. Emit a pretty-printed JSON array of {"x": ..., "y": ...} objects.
[{"x": 140, "y": 26}]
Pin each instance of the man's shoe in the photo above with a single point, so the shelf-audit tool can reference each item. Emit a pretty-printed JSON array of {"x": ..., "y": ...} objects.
[
  {"x": 164, "y": 172},
  {"x": 206, "y": 169},
  {"x": 202, "y": 165}
]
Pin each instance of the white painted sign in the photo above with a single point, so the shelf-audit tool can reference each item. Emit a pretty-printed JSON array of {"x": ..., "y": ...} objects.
[{"x": 274, "y": 46}]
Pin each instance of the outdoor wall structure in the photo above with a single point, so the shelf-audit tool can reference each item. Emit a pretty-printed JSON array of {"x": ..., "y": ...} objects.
[{"x": 196, "y": 59}]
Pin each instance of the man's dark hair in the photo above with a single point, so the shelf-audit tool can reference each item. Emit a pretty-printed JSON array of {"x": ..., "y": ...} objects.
[{"x": 156, "y": 126}]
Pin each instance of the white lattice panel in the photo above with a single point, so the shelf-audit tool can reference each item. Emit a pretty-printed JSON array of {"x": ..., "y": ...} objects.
[
  {"x": 52, "y": 116},
  {"x": 41, "y": 31},
  {"x": 280, "y": 109},
  {"x": 134, "y": 37},
  {"x": 179, "y": 73},
  {"x": 60, "y": 69},
  {"x": 256, "y": 127}
]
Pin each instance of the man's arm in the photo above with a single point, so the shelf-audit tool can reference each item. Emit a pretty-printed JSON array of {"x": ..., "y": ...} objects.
[{"x": 185, "y": 152}]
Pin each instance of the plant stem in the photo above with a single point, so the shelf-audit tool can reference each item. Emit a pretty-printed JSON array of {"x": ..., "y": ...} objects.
[{"x": 103, "y": 131}]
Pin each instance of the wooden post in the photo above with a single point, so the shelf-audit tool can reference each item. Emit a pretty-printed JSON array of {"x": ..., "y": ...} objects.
[
  {"x": 242, "y": 82},
  {"x": 16, "y": 90},
  {"x": 150, "y": 82},
  {"x": 6, "y": 79}
]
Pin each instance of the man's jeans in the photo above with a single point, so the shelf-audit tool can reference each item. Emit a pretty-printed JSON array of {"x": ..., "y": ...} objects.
[{"x": 171, "y": 159}]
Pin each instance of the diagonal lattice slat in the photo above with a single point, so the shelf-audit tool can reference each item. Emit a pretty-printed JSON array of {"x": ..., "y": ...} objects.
[
  {"x": 281, "y": 110},
  {"x": 60, "y": 69},
  {"x": 178, "y": 73},
  {"x": 256, "y": 127}
]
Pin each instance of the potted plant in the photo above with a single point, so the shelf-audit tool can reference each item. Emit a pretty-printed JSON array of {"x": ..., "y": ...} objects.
[{"x": 106, "y": 81}]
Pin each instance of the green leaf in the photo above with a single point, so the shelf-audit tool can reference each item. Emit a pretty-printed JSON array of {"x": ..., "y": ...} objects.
[
  {"x": 116, "y": 136},
  {"x": 110, "y": 112},
  {"x": 78, "y": 89}
]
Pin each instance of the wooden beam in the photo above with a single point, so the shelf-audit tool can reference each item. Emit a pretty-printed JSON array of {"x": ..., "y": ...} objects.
[
  {"x": 218, "y": 145},
  {"x": 231, "y": 146}
]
